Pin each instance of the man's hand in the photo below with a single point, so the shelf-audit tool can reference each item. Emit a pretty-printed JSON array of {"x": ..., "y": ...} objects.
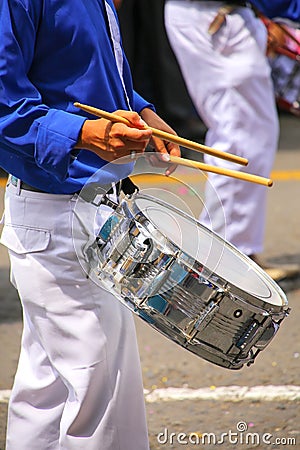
[
  {"x": 112, "y": 141},
  {"x": 163, "y": 148}
]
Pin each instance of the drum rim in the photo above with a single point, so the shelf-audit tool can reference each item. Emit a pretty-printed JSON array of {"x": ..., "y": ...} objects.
[{"x": 230, "y": 288}]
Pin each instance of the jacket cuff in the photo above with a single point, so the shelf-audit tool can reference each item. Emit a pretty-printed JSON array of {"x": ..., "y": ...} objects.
[{"x": 57, "y": 135}]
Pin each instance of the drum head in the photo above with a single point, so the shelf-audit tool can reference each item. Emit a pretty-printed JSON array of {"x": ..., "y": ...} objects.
[{"x": 202, "y": 245}]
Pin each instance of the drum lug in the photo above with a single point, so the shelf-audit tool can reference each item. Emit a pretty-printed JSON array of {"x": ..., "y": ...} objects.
[
  {"x": 251, "y": 358},
  {"x": 281, "y": 315},
  {"x": 203, "y": 320}
]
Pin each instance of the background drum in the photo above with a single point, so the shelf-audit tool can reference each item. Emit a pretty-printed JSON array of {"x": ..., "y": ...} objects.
[{"x": 284, "y": 57}]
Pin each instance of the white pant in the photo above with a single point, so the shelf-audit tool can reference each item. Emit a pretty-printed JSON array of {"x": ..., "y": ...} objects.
[
  {"x": 78, "y": 383},
  {"x": 228, "y": 78}
]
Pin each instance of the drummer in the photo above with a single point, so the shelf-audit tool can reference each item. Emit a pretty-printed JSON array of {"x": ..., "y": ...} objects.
[
  {"x": 78, "y": 382},
  {"x": 221, "y": 50}
]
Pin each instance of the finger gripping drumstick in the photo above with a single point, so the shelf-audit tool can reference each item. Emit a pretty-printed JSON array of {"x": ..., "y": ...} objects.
[{"x": 166, "y": 136}]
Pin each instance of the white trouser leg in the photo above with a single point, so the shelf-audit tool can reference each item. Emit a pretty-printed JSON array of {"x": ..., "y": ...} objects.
[
  {"x": 78, "y": 383},
  {"x": 228, "y": 78}
]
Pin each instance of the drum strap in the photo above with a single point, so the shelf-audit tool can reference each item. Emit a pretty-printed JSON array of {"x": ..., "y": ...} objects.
[
  {"x": 95, "y": 193},
  {"x": 127, "y": 186},
  {"x": 223, "y": 11}
]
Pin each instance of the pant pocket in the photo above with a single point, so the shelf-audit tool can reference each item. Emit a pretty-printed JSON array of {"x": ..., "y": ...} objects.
[{"x": 21, "y": 239}]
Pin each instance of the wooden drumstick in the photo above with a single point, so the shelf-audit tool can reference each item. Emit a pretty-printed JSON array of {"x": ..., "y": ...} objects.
[
  {"x": 222, "y": 171},
  {"x": 166, "y": 136}
]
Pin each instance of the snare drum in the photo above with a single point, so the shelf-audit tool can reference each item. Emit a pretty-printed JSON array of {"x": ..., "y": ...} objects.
[
  {"x": 187, "y": 282},
  {"x": 284, "y": 57}
]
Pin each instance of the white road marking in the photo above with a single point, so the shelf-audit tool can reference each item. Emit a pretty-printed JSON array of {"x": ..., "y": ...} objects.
[
  {"x": 225, "y": 393},
  {"x": 222, "y": 393},
  {"x": 4, "y": 396}
]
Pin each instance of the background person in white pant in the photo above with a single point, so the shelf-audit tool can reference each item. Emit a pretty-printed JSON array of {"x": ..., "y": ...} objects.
[
  {"x": 227, "y": 74},
  {"x": 78, "y": 384}
]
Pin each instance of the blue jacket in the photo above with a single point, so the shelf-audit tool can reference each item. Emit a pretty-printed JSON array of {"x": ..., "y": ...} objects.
[
  {"x": 288, "y": 9},
  {"x": 53, "y": 53}
]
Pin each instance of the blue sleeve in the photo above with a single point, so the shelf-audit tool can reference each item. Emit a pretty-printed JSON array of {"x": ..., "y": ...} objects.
[
  {"x": 140, "y": 103},
  {"x": 27, "y": 125},
  {"x": 289, "y": 9}
]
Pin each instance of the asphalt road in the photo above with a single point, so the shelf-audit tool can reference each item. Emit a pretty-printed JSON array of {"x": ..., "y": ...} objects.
[{"x": 255, "y": 407}]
